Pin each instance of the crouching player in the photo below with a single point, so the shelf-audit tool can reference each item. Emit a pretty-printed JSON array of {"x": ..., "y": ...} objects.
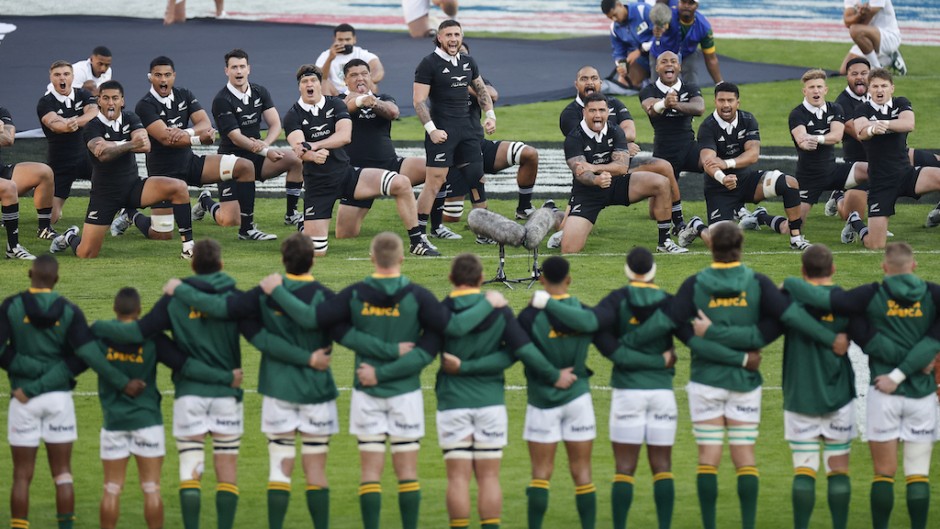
[{"x": 135, "y": 425}]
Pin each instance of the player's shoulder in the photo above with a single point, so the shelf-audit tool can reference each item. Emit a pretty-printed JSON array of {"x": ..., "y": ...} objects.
[
  {"x": 745, "y": 116},
  {"x": 902, "y": 102},
  {"x": 650, "y": 90},
  {"x": 259, "y": 89}
]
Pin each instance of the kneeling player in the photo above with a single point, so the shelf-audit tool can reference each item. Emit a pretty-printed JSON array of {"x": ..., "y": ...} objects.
[
  {"x": 166, "y": 111},
  {"x": 605, "y": 180},
  {"x": 11, "y": 221},
  {"x": 28, "y": 176},
  {"x": 371, "y": 143},
  {"x": 816, "y": 126},
  {"x": 318, "y": 127},
  {"x": 883, "y": 125},
  {"x": 135, "y": 426},
  {"x": 730, "y": 142},
  {"x": 112, "y": 139}
]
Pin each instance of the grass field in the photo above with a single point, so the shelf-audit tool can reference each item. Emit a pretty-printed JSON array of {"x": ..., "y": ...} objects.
[{"x": 132, "y": 260}]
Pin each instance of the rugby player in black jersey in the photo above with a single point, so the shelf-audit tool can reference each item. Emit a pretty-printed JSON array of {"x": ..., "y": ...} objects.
[
  {"x": 441, "y": 89},
  {"x": 730, "y": 145},
  {"x": 318, "y": 128},
  {"x": 167, "y": 111},
  {"x": 371, "y": 143},
  {"x": 596, "y": 153},
  {"x": 113, "y": 138},
  {"x": 62, "y": 112},
  {"x": 238, "y": 110},
  {"x": 882, "y": 126}
]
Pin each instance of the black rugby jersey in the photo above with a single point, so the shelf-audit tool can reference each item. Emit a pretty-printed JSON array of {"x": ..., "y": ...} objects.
[
  {"x": 318, "y": 127},
  {"x": 672, "y": 130},
  {"x": 371, "y": 136},
  {"x": 232, "y": 113},
  {"x": 163, "y": 160},
  {"x": 113, "y": 174},
  {"x": 818, "y": 163},
  {"x": 572, "y": 114},
  {"x": 596, "y": 150},
  {"x": 67, "y": 147}
]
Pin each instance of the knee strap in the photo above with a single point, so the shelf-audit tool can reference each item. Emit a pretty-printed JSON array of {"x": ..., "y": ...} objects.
[
  {"x": 226, "y": 445},
  {"x": 850, "y": 181},
  {"x": 831, "y": 450},
  {"x": 773, "y": 180},
  {"x": 192, "y": 459},
  {"x": 317, "y": 444},
  {"x": 742, "y": 435},
  {"x": 458, "y": 450},
  {"x": 708, "y": 434},
  {"x": 403, "y": 444},
  {"x": 487, "y": 451},
  {"x": 453, "y": 208},
  {"x": 280, "y": 448},
  {"x": 150, "y": 487},
  {"x": 227, "y": 167},
  {"x": 112, "y": 489},
  {"x": 917, "y": 458},
  {"x": 385, "y": 186},
  {"x": 805, "y": 454},
  {"x": 372, "y": 443},
  {"x": 514, "y": 153},
  {"x": 161, "y": 223},
  {"x": 320, "y": 244},
  {"x": 478, "y": 194},
  {"x": 64, "y": 478}
]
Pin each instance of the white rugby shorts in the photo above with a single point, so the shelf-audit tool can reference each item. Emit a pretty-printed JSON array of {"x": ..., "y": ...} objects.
[
  {"x": 49, "y": 417},
  {"x": 838, "y": 425},
  {"x": 892, "y": 417},
  {"x": 142, "y": 442},
  {"x": 709, "y": 402},
  {"x": 573, "y": 421},
  {"x": 485, "y": 425},
  {"x": 281, "y": 416},
  {"x": 640, "y": 416},
  {"x": 193, "y": 415},
  {"x": 398, "y": 416}
]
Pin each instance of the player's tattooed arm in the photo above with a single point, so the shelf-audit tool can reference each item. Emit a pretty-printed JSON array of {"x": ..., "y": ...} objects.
[
  {"x": 386, "y": 109},
  {"x": 483, "y": 95},
  {"x": 581, "y": 170},
  {"x": 421, "y": 93}
]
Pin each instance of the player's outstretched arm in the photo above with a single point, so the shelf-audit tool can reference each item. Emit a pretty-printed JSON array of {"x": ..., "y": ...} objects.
[
  {"x": 170, "y": 355},
  {"x": 581, "y": 318},
  {"x": 365, "y": 344}
]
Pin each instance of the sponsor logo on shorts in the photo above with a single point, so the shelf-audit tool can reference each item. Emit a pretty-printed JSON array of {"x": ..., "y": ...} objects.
[
  {"x": 61, "y": 428},
  {"x": 588, "y": 428},
  {"x": 228, "y": 422},
  {"x": 492, "y": 434},
  {"x": 20, "y": 430},
  {"x": 805, "y": 429},
  {"x": 320, "y": 424},
  {"x": 145, "y": 444},
  {"x": 840, "y": 427},
  {"x": 407, "y": 426},
  {"x": 275, "y": 422},
  {"x": 747, "y": 409},
  {"x": 921, "y": 431},
  {"x": 367, "y": 424},
  {"x": 625, "y": 416},
  {"x": 665, "y": 417}
]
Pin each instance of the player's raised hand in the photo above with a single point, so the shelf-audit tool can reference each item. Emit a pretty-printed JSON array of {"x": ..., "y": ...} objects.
[
  {"x": 496, "y": 299},
  {"x": 271, "y": 282},
  {"x": 170, "y": 287}
]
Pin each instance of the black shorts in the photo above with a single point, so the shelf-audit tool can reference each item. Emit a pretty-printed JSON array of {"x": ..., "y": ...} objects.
[
  {"x": 489, "y": 149},
  {"x": 812, "y": 188},
  {"x": 883, "y": 195},
  {"x": 462, "y": 146},
  {"x": 686, "y": 160},
  {"x": 588, "y": 203},
  {"x": 192, "y": 174},
  {"x": 391, "y": 164},
  {"x": 721, "y": 202},
  {"x": 924, "y": 158},
  {"x": 322, "y": 191},
  {"x": 6, "y": 171},
  {"x": 102, "y": 207},
  {"x": 66, "y": 173}
]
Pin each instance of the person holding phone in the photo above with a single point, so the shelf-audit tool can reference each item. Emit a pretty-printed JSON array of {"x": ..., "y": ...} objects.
[{"x": 343, "y": 50}]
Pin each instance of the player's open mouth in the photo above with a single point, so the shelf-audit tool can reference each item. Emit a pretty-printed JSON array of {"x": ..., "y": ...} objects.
[
  {"x": 310, "y": 92},
  {"x": 163, "y": 88},
  {"x": 588, "y": 90},
  {"x": 62, "y": 86}
]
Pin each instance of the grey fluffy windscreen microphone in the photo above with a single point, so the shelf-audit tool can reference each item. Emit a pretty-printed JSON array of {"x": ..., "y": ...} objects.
[
  {"x": 542, "y": 221},
  {"x": 495, "y": 226},
  {"x": 660, "y": 16}
]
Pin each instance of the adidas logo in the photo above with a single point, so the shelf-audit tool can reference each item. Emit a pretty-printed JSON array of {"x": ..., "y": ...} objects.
[
  {"x": 445, "y": 70},
  {"x": 238, "y": 109},
  {"x": 305, "y": 122},
  {"x": 810, "y": 123}
]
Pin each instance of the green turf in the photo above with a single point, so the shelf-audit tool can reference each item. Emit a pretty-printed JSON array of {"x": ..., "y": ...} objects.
[{"x": 132, "y": 260}]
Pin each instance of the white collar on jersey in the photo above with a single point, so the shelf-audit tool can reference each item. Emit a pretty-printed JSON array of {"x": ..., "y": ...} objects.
[
  {"x": 69, "y": 100},
  {"x": 244, "y": 96},
  {"x": 816, "y": 111},
  {"x": 446, "y": 56},
  {"x": 597, "y": 136},
  {"x": 579, "y": 101},
  {"x": 665, "y": 89},
  {"x": 863, "y": 98},
  {"x": 725, "y": 126},
  {"x": 167, "y": 101},
  {"x": 885, "y": 108},
  {"x": 115, "y": 125},
  {"x": 313, "y": 109}
]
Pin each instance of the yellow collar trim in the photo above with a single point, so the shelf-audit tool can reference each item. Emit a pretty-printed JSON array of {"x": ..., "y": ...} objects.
[
  {"x": 641, "y": 284},
  {"x": 464, "y": 292},
  {"x": 385, "y": 276},
  {"x": 726, "y": 265},
  {"x": 561, "y": 296},
  {"x": 39, "y": 290},
  {"x": 301, "y": 277}
]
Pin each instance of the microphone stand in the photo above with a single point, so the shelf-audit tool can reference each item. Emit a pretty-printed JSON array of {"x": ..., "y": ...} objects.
[{"x": 501, "y": 272}]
